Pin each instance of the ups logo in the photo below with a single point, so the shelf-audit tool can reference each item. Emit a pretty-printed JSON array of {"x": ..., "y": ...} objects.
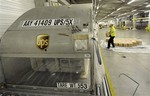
[{"x": 42, "y": 41}]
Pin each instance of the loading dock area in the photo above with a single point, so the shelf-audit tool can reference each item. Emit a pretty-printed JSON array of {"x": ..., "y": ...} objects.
[{"x": 129, "y": 71}]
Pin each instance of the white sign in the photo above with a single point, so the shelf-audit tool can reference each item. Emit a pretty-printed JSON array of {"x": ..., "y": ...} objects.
[
  {"x": 48, "y": 22},
  {"x": 72, "y": 85}
]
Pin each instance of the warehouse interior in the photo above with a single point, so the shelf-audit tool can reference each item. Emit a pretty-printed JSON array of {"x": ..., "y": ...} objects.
[{"x": 126, "y": 66}]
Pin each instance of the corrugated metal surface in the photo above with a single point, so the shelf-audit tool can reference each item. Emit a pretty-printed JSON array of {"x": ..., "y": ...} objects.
[{"x": 10, "y": 10}]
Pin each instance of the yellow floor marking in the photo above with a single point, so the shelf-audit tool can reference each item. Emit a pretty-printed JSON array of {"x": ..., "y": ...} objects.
[{"x": 112, "y": 90}]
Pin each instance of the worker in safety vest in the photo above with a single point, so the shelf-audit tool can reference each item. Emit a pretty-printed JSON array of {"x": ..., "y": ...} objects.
[
  {"x": 148, "y": 28},
  {"x": 112, "y": 34}
]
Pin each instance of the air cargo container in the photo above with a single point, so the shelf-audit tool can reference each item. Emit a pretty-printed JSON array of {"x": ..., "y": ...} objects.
[{"x": 52, "y": 51}]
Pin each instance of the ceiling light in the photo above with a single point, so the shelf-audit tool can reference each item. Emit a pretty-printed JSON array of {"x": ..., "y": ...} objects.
[
  {"x": 54, "y": 0},
  {"x": 135, "y": 13},
  {"x": 112, "y": 13},
  {"x": 122, "y": 14},
  {"x": 148, "y": 5},
  {"x": 133, "y": 10},
  {"x": 130, "y": 1},
  {"x": 118, "y": 9},
  {"x": 97, "y": 7}
]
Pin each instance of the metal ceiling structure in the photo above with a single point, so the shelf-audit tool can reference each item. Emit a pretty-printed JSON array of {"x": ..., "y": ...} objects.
[
  {"x": 106, "y": 9},
  {"x": 119, "y": 8}
]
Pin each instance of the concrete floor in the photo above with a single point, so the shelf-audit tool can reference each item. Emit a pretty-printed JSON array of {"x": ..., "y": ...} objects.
[{"x": 128, "y": 69}]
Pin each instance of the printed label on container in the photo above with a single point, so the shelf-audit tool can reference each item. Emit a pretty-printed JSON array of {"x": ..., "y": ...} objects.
[
  {"x": 48, "y": 22},
  {"x": 83, "y": 86}
]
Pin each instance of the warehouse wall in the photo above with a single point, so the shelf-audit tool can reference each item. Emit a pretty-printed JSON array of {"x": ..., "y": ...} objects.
[{"x": 10, "y": 10}]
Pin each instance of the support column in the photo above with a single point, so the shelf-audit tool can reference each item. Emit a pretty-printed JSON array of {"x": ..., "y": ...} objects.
[
  {"x": 134, "y": 22},
  {"x": 149, "y": 19},
  {"x": 148, "y": 26}
]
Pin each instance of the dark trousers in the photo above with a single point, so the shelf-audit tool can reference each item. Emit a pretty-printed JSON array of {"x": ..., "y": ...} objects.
[{"x": 111, "y": 41}]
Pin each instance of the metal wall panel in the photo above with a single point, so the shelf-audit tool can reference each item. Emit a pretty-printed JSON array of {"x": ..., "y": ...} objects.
[{"x": 10, "y": 10}]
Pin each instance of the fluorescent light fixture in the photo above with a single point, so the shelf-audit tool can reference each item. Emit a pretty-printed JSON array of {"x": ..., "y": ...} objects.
[
  {"x": 97, "y": 7},
  {"x": 130, "y": 1},
  {"x": 133, "y": 10},
  {"x": 148, "y": 5},
  {"x": 135, "y": 13},
  {"x": 118, "y": 9},
  {"x": 54, "y": 0},
  {"x": 112, "y": 13},
  {"x": 124, "y": 14}
]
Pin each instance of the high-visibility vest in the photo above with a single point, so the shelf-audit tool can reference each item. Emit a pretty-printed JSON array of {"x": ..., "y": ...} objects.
[{"x": 112, "y": 31}]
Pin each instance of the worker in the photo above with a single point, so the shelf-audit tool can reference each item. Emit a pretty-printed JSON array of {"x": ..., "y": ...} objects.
[
  {"x": 112, "y": 34},
  {"x": 148, "y": 28}
]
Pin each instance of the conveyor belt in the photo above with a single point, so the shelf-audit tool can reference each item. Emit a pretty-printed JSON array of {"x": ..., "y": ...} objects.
[{"x": 45, "y": 78}]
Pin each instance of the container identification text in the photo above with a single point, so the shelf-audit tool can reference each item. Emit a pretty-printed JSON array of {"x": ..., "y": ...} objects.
[
  {"x": 48, "y": 22},
  {"x": 72, "y": 85}
]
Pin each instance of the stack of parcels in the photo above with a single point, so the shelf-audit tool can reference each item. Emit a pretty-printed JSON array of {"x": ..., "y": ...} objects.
[{"x": 126, "y": 42}]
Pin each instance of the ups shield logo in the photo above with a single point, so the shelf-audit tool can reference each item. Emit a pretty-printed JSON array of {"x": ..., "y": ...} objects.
[{"x": 42, "y": 41}]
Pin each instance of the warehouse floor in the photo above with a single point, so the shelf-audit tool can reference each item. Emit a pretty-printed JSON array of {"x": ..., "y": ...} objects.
[{"x": 129, "y": 71}]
